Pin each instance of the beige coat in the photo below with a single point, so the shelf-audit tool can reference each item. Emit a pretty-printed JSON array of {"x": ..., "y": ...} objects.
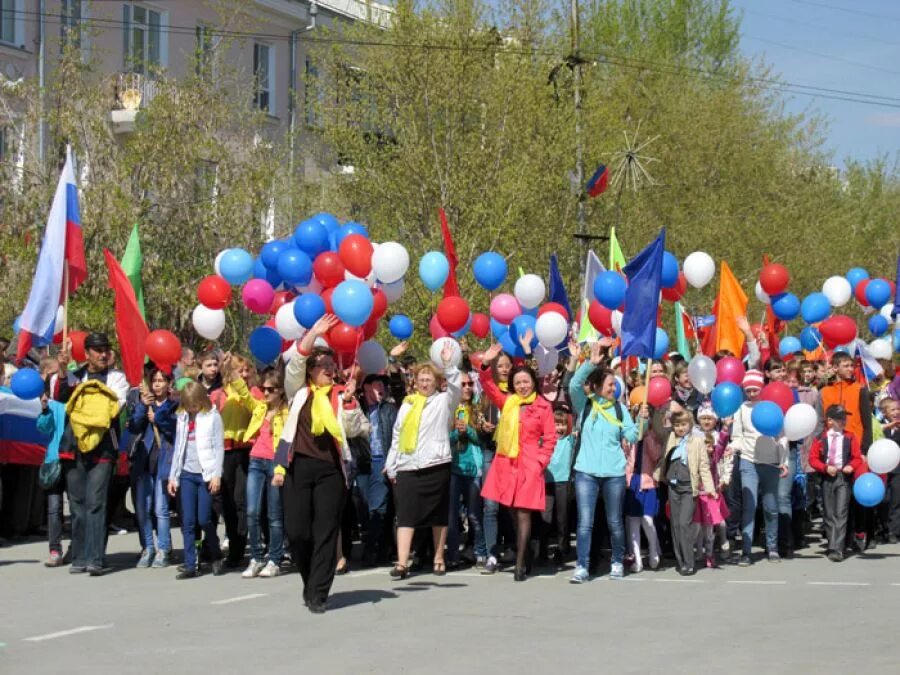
[{"x": 698, "y": 464}]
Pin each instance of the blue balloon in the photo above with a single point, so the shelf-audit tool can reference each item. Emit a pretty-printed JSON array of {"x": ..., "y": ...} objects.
[
  {"x": 265, "y": 344},
  {"x": 662, "y": 344},
  {"x": 669, "y": 270},
  {"x": 465, "y": 329},
  {"x": 236, "y": 266},
  {"x": 510, "y": 346},
  {"x": 609, "y": 289},
  {"x": 810, "y": 338},
  {"x": 26, "y": 383},
  {"x": 868, "y": 490},
  {"x": 727, "y": 398},
  {"x": 618, "y": 393},
  {"x": 295, "y": 267},
  {"x": 352, "y": 302},
  {"x": 271, "y": 252},
  {"x": 490, "y": 270},
  {"x": 843, "y": 349},
  {"x": 498, "y": 329},
  {"x": 260, "y": 271},
  {"x": 308, "y": 309},
  {"x": 311, "y": 237},
  {"x": 897, "y": 340},
  {"x": 521, "y": 325},
  {"x": 878, "y": 292},
  {"x": 855, "y": 275},
  {"x": 347, "y": 229},
  {"x": 789, "y": 345},
  {"x": 815, "y": 308},
  {"x": 326, "y": 220},
  {"x": 786, "y": 306},
  {"x": 878, "y": 325},
  {"x": 767, "y": 418},
  {"x": 401, "y": 327},
  {"x": 434, "y": 270}
]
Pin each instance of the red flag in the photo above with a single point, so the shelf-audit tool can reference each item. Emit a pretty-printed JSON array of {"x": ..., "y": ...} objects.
[
  {"x": 708, "y": 334},
  {"x": 451, "y": 288},
  {"x": 130, "y": 327}
]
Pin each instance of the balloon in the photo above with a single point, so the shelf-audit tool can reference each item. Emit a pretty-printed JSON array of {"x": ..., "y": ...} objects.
[
  {"x": 878, "y": 325},
  {"x": 669, "y": 270},
  {"x": 520, "y": 326},
  {"x": 868, "y": 490},
  {"x": 600, "y": 318},
  {"x": 371, "y": 356},
  {"x": 294, "y": 267},
  {"x": 401, "y": 327},
  {"x": 659, "y": 391},
  {"x": 370, "y": 328},
  {"x": 434, "y": 270},
  {"x": 453, "y": 313},
  {"x": 435, "y": 329},
  {"x": 883, "y": 455},
  {"x": 636, "y": 397},
  {"x": 209, "y": 323},
  {"x": 609, "y": 289},
  {"x": 551, "y": 329},
  {"x": 390, "y": 261},
  {"x": 392, "y": 292},
  {"x": 328, "y": 269},
  {"x": 481, "y": 325},
  {"x": 438, "y": 346},
  {"x": 326, "y": 220},
  {"x": 886, "y": 312},
  {"x": 878, "y": 292},
  {"x": 348, "y": 230},
  {"x": 727, "y": 398},
  {"x": 490, "y": 270},
  {"x": 837, "y": 330},
  {"x": 800, "y": 421},
  {"x": 699, "y": 269},
  {"x": 778, "y": 393},
  {"x": 674, "y": 293},
  {"x": 344, "y": 338},
  {"x": 379, "y": 302},
  {"x": 76, "y": 340},
  {"x": 767, "y": 418},
  {"x": 662, "y": 344},
  {"x": 815, "y": 307},
  {"x": 702, "y": 373},
  {"x": 530, "y": 290},
  {"x": 286, "y": 323},
  {"x": 214, "y": 292},
  {"x": 774, "y": 279},
  {"x": 356, "y": 253},
  {"x": 217, "y": 262},
  {"x": 311, "y": 237},
  {"x": 258, "y": 296},
  {"x": 352, "y": 302},
  {"x": 855, "y": 275},
  {"x": 881, "y": 349},
  {"x": 786, "y": 306},
  {"x": 164, "y": 349},
  {"x": 260, "y": 271},
  {"x": 553, "y": 307},
  {"x": 859, "y": 291},
  {"x": 281, "y": 299},
  {"x": 761, "y": 294},
  {"x": 616, "y": 320},
  {"x": 235, "y": 266},
  {"x": 271, "y": 252},
  {"x": 730, "y": 369},
  {"x": 265, "y": 344},
  {"x": 308, "y": 309},
  {"x": 837, "y": 290},
  {"x": 27, "y": 384},
  {"x": 789, "y": 345},
  {"x": 504, "y": 308},
  {"x": 810, "y": 338},
  {"x": 510, "y": 346}
]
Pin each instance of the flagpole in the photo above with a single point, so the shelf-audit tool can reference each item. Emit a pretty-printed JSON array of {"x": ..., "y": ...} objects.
[{"x": 65, "y": 335}]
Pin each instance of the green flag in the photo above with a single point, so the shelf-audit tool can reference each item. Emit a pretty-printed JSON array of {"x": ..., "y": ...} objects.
[
  {"x": 683, "y": 347},
  {"x": 132, "y": 262},
  {"x": 617, "y": 260}
]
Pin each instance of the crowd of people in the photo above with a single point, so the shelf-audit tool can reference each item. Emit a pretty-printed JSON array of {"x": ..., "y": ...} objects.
[{"x": 501, "y": 460}]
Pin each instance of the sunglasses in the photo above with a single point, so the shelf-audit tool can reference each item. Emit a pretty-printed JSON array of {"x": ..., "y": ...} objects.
[
  {"x": 325, "y": 364},
  {"x": 269, "y": 390},
  {"x": 468, "y": 384}
]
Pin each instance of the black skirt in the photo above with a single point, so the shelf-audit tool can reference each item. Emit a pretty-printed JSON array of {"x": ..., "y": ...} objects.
[{"x": 423, "y": 497}]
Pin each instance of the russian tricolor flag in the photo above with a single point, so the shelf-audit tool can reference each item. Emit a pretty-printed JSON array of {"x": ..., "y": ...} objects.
[
  {"x": 63, "y": 245},
  {"x": 599, "y": 182}
]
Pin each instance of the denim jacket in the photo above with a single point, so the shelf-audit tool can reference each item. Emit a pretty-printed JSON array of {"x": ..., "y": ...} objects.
[{"x": 148, "y": 456}]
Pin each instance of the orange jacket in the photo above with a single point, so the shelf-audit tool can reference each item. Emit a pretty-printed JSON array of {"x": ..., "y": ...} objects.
[{"x": 855, "y": 400}]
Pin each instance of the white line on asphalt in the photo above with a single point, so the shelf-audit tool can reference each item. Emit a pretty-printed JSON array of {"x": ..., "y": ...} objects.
[
  {"x": 367, "y": 573},
  {"x": 64, "y": 633},
  {"x": 680, "y": 581},
  {"x": 239, "y": 598},
  {"x": 838, "y": 583},
  {"x": 760, "y": 583}
]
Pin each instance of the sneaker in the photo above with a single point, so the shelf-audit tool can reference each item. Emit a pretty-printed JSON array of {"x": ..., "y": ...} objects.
[
  {"x": 860, "y": 541},
  {"x": 726, "y": 546},
  {"x": 654, "y": 562},
  {"x": 187, "y": 574},
  {"x": 480, "y": 562},
  {"x": 581, "y": 575},
  {"x": 55, "y": 559},
  {"x": 617, "y": 571},
  {"x": 491, "y": 566},
  {"x": 711, "y": 562},
  {"x": 161, "y": 560},
  {"x": 253, "y": 570},
  {"x": 774, "y": 557},
  {"x": 224, "y": 546},
  {"x": 96, "y": 571},
  {"x": 77, "y": 569},
  {"x": 745, "y": 561},
  {"x": 835, "y": 556},
  {"x": 270, "y": 570},
  {"x": 218, "y": 567},
  {"x": 147, "y": 556}
]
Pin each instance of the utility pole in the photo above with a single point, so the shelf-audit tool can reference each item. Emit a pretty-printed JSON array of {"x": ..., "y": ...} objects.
[
  {"x": 41, "y": 40},
  {"x": 575, "y": 60}
]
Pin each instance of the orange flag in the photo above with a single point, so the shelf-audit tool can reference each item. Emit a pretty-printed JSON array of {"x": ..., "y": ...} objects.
[
  {"x": 731, "y": 304},
  {"x": 130, "y": 326}
]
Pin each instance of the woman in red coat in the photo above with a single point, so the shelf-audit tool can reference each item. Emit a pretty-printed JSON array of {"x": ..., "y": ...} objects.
[{"x": 526, "y": 436}]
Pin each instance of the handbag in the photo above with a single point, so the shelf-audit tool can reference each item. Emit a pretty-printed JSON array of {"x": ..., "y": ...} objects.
[{"x": 49, "y": 474}]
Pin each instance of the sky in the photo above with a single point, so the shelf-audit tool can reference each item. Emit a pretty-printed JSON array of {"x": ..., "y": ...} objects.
[{"x": 849, "y": 45}]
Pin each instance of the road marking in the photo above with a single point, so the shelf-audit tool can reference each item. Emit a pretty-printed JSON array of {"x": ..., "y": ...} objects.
[
  {"x": 838, "y": 583},
  {"x": 239, "y": 598},
  {"x": 679, "y": 581},
  {"x": 760, "y": 583},
  {"x": 65, "y": 633},
  {"x": 367, "y": 573}
]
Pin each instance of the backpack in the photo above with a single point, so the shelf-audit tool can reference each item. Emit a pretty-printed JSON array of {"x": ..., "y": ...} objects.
[{"x": 584, "y": 415}]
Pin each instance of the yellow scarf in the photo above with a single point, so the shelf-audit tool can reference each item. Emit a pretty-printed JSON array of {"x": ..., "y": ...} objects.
[
  {"x": 409, "y": 432},
  {"x": 602, "y": 408},
  {"x": 503, "y": 386},
  {"x": 323, "y": 417},
  {"x": 508, "y": 430}
]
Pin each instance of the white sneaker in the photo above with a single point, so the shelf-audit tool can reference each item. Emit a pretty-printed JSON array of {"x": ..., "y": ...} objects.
[
  {"x": 253, "y": 570},
  {"x": 581, "y": 575},
  {"x": 270, "y": 570},
  {"x": 617, "y": 571}
]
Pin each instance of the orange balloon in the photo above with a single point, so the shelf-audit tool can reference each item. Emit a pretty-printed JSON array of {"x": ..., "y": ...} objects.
[{"x": 636, "y": 397}]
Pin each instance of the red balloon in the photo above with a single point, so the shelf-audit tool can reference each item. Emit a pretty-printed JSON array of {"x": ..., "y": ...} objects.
[
  {"x": 214, "y": 292},
  {"x": 860, "y": 292},
  {"x": 370, "y": 327},
  {"x": 76, "y": 340},
  {"x": 600, "y": 318},
  {"x": 730, "y": 369},
  {"x": 436, "y": 329},
  {"x": 380, "y": 304},
  {"x": 837, "y": 330},
  {"x": 659, "y": 391},
  {"x": 779, "y": 393},
  {"x": 774, "y": 278},
  {"x": 326, "y": 298},
  {"x": 553, "y": 307},
  {"x": 674, "y": 293},
  {"x": 453, "y": 313},
  {"x": 481, "y": 325},
  {"x": 281, "y": 299},
  {"x": 355, "y": 253},
  {"x": 329, "y": 269},
  {"x": 163, "y": 348},
  {"x": 893, "y": 288},
  {"x": 344, "y": 338}
]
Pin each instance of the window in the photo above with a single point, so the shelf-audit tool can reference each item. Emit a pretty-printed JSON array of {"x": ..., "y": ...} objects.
[
  {"x": 70, "y": 23},
  {"x": 143, "y": 39},
  {"x": 204, "y": 51},
  {"x": 264, "y": 77},
  {"x": 4, "y": 143},
  {"x": 11, "y": 21},
  {"x": 313, "y": 96}
]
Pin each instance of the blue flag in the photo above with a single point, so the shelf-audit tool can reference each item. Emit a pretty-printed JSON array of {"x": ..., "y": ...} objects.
[
  {"x": 644, "y": 274},
  {"x": 896, "y": 311},
  {"x": 557, "y": 289}
]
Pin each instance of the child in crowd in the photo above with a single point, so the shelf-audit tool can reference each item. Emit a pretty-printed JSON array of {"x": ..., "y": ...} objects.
[
  {"x": 641, "y": 495},
  {"x": 556, "y": 477},
  {"x": 712, "y": 511},
  {"x": 890, "y": 411}
]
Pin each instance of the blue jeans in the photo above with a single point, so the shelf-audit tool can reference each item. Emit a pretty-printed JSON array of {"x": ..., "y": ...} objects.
[
  {"x": 786, "y": 496},
  {"x": 373, "y": 490},
  {"x": 196, "y": 509},
  {"x": 587, "y": 489},
  {"x": 150, "y": 497},
  {"x": 759, "y": 481},
  {"x": 259, "y": 482},
  {"x": 490, "y": 511},
  {"x": 469, "y": 489}
]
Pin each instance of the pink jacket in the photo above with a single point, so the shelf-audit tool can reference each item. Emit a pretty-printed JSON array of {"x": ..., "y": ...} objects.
[{"x": 652, "y": 450}]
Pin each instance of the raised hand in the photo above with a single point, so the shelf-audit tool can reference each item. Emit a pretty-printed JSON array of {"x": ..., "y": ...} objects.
[
  {"x": 492, "y": 352},
  {"x": 447, "y": 353},
  {"x": 325, "y": 324},
  {"x": 400, "y": 349},
  {"x": 596, "y": 353}
]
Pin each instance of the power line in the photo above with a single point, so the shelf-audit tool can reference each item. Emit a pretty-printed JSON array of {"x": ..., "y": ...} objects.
[
  {"x": 818, "y": 26},
  {"x": 847, "y": 10},
  {"x": 823, "y": 56}
]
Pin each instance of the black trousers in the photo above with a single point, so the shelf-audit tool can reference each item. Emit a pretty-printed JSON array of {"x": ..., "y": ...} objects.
[
  {"x": 313, "y": 497},
  {"x": 836, "y": 502},
  {"x": 234, "y": 501},
  {"x": 681, "y": 505},
  {"x": 556, "y": 509}
]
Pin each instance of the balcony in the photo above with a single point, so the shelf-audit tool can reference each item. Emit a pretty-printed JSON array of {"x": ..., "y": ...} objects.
[{"x": 130, "y": 92}]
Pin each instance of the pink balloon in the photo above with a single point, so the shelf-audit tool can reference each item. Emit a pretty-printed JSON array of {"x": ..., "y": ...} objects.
[
  {"x": 730, "y": 369},
  {"x": 258, "y": 296},
  {"x": 505, "y": 308},
  {"x": 659, "y": 391},
  {"x": 436, "y": 329}
]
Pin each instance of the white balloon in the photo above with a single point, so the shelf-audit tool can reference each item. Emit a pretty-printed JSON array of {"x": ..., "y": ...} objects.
[
  {"x": 551, "y": 329},
  {"x": 837, "y": 290},
  {"x": 218, "y": 261},
  {"x": 530, "y": 290},
  {"x": 881, "y": 348},
  {"x": 616, "y": 321},
  {"x": 699, "y": 269},
  {"x": 321, "y": 342},
  {"x": 60, "y": 319},
  {"x": 286, "y": 323},
  {"x": 547, "y": 359},
  {"x": 761, "y": 295},
  {"x": 209, "y": 323},
  {"x": 702, "y": 373},
  {"x": 436, "y": 348},
  {"x": 800, "y": 421},
  {"x": 390, "y": 261},
  {"x": 886, "y": 312},
  {"x": 883, "y": 456},
  {"x": 393, "y": 291},
  {"x": 371, "y": 357},
  {"x": 367, "y": 280}
]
